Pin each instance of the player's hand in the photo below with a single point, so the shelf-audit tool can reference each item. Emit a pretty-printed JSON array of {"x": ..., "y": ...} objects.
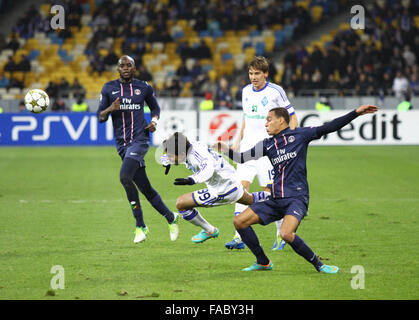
[
  {"x": 221, "y": 147},
  {"x": 368, "y": 108},
  {"x": 184, "y": 181},
  {"x": 167, "y": 169},
  {"x": 150, "y": 127},
  {"x": 115, "y": 106}
]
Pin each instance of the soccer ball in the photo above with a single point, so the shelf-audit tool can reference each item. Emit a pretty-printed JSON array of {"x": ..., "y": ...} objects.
[{"x": 36, "y": 101}]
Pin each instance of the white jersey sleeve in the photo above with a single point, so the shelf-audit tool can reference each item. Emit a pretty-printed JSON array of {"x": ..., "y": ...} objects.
[
  {"x": 206, "y": 170},
  {"x": 210, "y": 168},
  {"x": 201, "y": 162}
]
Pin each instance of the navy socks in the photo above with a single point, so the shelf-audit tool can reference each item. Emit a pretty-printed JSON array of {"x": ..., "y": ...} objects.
[
  {"x": 159, "y": 205},
  {"x": 138, "y": 213},
  {"x": 304, "y": 250},
  {"x": 131, "y": 173},
  {"x": 250, "y": 238}
]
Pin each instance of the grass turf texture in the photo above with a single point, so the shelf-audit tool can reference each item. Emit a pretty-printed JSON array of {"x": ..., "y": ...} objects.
[{"x": 65, "y": 206}]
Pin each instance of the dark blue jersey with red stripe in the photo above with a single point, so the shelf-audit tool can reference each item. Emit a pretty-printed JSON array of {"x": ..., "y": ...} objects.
[
  {"x": 287, "y": 152},
  {"x": 129, "y": 122}
]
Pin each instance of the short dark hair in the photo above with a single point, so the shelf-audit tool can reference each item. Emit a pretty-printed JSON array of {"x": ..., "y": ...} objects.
[
  {"x": 176, "y": 144},
  {"x": 127, "y": 58},
  {"x": 259, "y": 63},
  {"x": 281, "y": 112}
]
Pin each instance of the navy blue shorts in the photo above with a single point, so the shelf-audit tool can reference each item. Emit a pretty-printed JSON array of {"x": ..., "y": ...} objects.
[
  {"x": 272, "y": 209},
  {"x": 135, "y": 151}
]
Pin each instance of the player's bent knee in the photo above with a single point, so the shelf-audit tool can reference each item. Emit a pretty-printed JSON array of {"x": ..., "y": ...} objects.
[
  {"x": 286, "y": 235},
  {"x": 239, "y": 222},
  {"x": 182, "y": 203}
]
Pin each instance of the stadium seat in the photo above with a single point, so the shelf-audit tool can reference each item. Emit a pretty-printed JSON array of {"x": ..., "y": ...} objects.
[
  {"x": 260, "y": 48},
  {"x": 316, "y": 13}
]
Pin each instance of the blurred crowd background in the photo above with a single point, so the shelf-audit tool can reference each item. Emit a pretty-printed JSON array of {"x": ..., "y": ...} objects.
[{"x": 201, "y": 48}]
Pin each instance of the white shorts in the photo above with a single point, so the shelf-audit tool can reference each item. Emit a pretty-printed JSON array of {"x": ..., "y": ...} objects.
[
  {"x": 210, "y": 198},
  {"x": 262, "y": 168}
]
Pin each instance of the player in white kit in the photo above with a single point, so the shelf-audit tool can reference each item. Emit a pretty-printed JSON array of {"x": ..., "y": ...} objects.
[
  {"x": 258, "y": 98},
  {"x": 209, "y": 167}
]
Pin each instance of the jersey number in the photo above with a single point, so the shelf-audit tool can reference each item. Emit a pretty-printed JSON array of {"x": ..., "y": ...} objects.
[
  {"x": 271, "y": 174},
  {"x": 203, "y": 194}
]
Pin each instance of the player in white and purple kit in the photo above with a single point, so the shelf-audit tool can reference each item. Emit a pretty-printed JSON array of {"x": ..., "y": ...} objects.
[
  {"x": 287, "y": 151},
  {"x": 124, "y": 100},
  {"x": 209, "y": 167},
  {"x": 258, "y": 98}
]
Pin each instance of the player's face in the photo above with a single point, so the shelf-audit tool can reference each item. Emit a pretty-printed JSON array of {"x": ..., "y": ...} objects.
[
  {"x": 126, "y": 68},
  {"x": 273, "y": 124},
  {"x": 257, "y": 78}
]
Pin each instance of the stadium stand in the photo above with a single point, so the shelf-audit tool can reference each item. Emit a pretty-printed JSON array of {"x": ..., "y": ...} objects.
[
  {"x": 198, "y": 42},
  {"x": 161, "y": 35},
  {"x": 361, "y": 62}
]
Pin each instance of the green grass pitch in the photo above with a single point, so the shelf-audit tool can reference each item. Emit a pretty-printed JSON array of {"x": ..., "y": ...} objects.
[{"x": 65, "y": 206}]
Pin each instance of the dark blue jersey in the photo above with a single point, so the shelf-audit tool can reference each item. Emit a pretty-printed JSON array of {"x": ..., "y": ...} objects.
[
  {"x": 129, "y": 122},
  {"x": 287, "y": 152}
]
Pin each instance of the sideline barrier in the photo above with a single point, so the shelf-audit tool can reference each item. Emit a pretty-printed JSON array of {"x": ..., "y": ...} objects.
[{"x": 26, "y": 129}]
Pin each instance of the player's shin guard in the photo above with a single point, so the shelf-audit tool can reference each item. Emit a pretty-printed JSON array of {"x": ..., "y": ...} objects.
[
  {"x": 194, "y": 217},
  {"x": 250, "y": 238},
  {"x": 304, "y": 250}
]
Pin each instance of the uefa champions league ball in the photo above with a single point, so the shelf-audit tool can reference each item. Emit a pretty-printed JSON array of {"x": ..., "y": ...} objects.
[{"x": 36, "y": 101}]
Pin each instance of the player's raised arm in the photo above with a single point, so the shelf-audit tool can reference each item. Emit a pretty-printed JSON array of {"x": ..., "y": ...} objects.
[
  {"x": 293, "y": 121},
  {"x": 258, "y": 151},
  {"x": 340, "y": 122}
]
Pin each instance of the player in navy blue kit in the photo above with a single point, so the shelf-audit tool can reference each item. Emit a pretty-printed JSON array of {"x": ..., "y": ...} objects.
[
  {"x": 287, "y": 151},
  {"x": 124, "y": 99}
]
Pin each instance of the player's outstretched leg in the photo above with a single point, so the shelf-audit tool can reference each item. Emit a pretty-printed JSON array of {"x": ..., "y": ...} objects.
[
  {"x": 288, "y": 228},
  {"x": 208, "y": 230},
  {"x": 262, "y": 262},
  {"x": 186, "y": 206},
  {"x": 242, "y": 223},
  {"x": 125, "y": 176},
  {"x": 142, "y": 182}
]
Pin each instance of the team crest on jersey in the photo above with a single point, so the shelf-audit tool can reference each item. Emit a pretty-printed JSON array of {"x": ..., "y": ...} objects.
[
  {"x": 137, "y": 92},
  {"x": 291, "y": 139},
  {"x": 264, "y": 101}
]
